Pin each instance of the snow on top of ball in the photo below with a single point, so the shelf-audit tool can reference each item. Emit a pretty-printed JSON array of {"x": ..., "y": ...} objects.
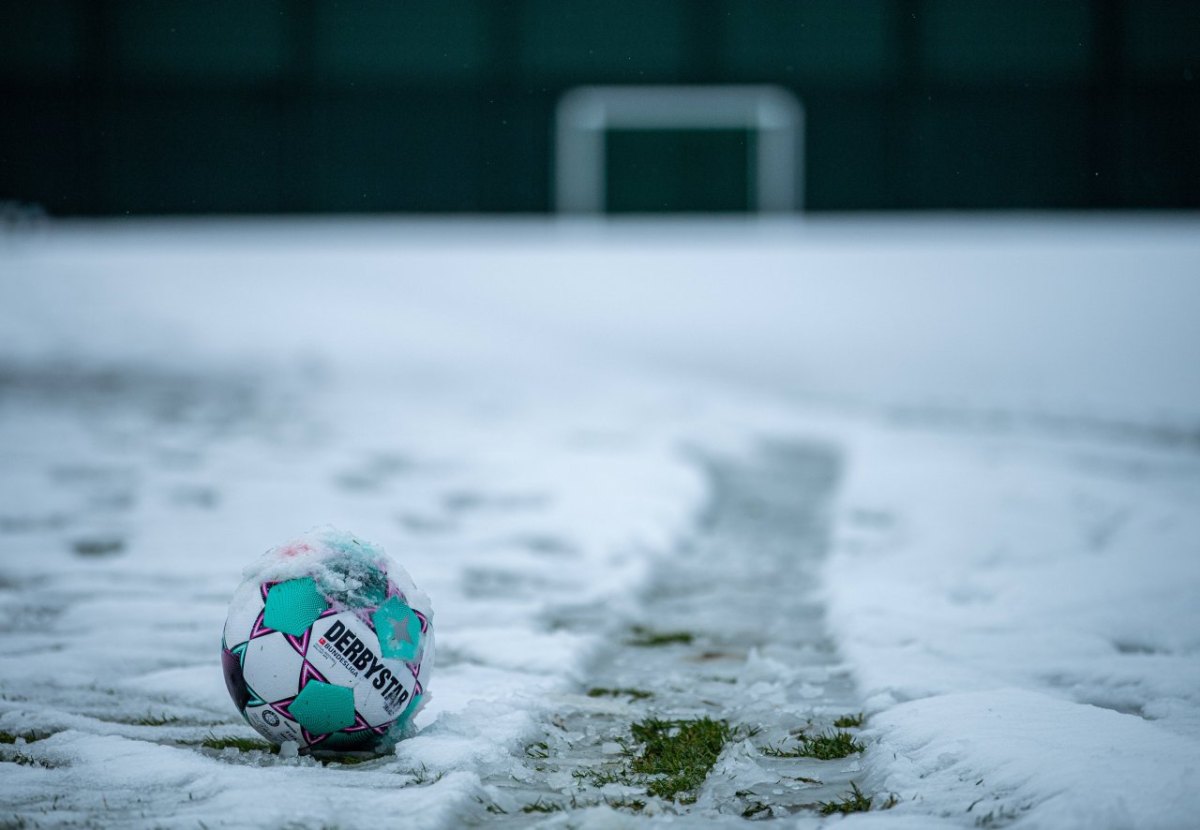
[{"x": 353, "y": 572}]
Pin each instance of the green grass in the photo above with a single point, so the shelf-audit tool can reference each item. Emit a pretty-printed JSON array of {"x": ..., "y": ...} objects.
[
  {"x": 540, "y": 806},
  {"x": 998, "y": 817},
  {"x": 830, "y": 745},
  {"x": 421, "y": 776},
  {"x": 602, "y": 776},
  {"x": 850, "y": 721},
  {"x": 21, "y": 759},
  {"x": 153, "y": 720},
  {"x": 98, "y": 547},
  {"x": 634, "y": 804},
  {"x": 824, "y": 747},
  {"x": 240, "y": 744},
  {"x": 646, "y": 638},
  {"x": 772, "y": 751},
  {"x": 635, "y": 694},
  {"x": 852, "y": 802},
  {"x": 680, "y": 751},
  {"x": 538, "y": 750},
  {"x": 544, "y": 806},
  {"x": 671, "y": 758},
  {"x": 755, "y": 808}
]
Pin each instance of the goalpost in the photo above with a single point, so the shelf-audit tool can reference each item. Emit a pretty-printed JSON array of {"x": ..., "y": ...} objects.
[{"x": 586, "y": 114}]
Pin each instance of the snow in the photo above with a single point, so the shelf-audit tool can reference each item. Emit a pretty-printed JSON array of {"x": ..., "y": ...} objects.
[
  {"x": 512, "y": 410},
  {"x": 1024, "y": 622},
  {"x": 1035, "y": 314},
  {"x": 1045, "y": 762},
  {"x": 341, "y": 563}
]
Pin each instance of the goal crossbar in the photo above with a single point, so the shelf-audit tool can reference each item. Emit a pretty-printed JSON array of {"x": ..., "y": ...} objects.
[{"x": 586, "y": 114}]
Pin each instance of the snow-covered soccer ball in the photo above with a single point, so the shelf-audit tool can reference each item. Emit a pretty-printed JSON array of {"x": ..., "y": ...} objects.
[{"x": 328, "y": 643}]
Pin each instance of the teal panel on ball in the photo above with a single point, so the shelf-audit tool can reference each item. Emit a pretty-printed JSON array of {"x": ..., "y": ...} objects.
[
  {"x": 293, "y": 606},
  {"x": 409, "y": 711},
  {"x": 398, "y": 630},
  {"x": 323, "y": 707}
]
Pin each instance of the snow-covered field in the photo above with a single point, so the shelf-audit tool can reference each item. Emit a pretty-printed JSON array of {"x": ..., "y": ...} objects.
[{"x": 520, "y": 412}]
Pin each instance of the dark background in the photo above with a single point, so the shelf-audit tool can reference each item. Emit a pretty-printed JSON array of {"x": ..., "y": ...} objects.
[{"x": 271, "y": 106}]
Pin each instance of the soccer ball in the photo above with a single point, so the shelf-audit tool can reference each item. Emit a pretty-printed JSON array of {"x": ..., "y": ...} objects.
[{"x": 328, "y": 644}]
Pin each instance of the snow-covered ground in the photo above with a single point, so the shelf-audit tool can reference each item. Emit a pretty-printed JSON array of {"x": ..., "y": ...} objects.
[
  {"x": 1023, "y": 617},
  {"x": 515, "y": 409}
]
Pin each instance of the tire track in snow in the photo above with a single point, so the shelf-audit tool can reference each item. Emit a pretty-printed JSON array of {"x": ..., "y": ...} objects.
[{"x": 739, "y": 609}]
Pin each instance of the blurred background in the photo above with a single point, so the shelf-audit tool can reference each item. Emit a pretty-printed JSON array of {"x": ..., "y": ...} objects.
[{"x": 115, "y": 107}]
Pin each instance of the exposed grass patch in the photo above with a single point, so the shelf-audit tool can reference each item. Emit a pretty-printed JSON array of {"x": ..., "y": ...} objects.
[
  {"x": 830, "y": 745},
  {"x": 421, "y": 776},
  {"x": 773, "y": 751},
  {"x": 755, "y": 809},
  {"x": 635, "y": 694},
  {"x": 240, "y": 744},
  {"x": 602, "y": 776},
  {"x": 852, "y": 802},
  {"x": 999, "y": 817},
  {"x": 634, "y": 804},
  {"x": 538, "y": 750},
  {"x": 646, "y": 638},
  {"x": 540, "y": 806},
  {"x": 98, "y": 547},
  {"x": 680, "y": 751},
  {"x": 16, "y": 756},
  {"x": 824, "y": 747},
  {"x": 850, "y": 721},
  {"x": 27, "y": 760},
  {"x": 671, "y": 758},
  {"x": 153, "y": 720},
  {"x": 708, "y": 656}
]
